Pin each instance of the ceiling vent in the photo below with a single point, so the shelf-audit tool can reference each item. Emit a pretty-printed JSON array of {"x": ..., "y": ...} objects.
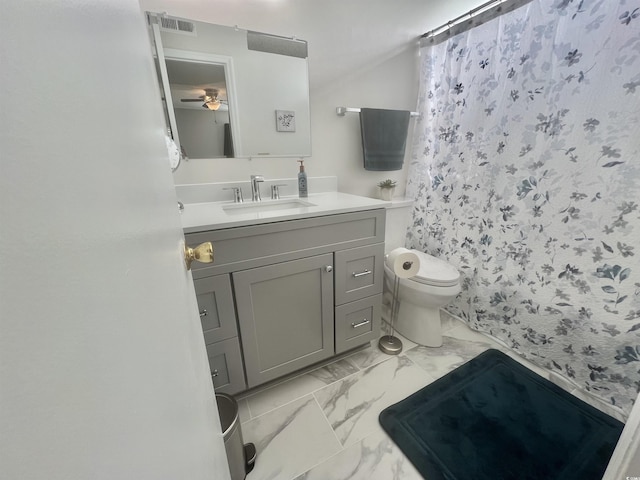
[{"x": 177, "y": 25}]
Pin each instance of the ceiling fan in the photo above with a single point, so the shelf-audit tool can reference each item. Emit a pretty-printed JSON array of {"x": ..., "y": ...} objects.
[{"x": 210, "y": 99}]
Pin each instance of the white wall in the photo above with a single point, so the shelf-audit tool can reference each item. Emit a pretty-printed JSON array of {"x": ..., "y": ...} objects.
[
  {"x": 103, "y": 368},
  {"x": 201, "y": 131},
  {"x": 362, "y": 53}
]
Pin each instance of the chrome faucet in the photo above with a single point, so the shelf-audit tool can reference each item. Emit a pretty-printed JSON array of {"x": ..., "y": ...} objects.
[{"x": 255, "y": 188}]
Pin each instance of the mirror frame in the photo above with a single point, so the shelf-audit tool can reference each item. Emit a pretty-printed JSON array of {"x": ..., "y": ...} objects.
[{"x": 164, "y": 81}]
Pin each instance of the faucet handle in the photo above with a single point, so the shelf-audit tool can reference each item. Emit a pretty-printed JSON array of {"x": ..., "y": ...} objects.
[
  {"x": 237, "y": 194},
  {"x": 275, "y": 190}
]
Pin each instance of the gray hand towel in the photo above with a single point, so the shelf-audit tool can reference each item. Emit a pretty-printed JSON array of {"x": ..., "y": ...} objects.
[{"x": 384, "y": 136}]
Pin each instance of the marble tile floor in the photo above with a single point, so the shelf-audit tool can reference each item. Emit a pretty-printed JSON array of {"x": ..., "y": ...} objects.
[{"x": 323, "y": 424}]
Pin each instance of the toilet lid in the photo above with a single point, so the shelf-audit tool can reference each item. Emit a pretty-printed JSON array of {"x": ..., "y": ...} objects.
[{"x": 434, "y": 271}]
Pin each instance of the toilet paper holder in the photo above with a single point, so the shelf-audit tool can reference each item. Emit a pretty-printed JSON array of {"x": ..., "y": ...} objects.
[
  {"x": 404, "y": 264},
  {"x": 390, "y": 344}
]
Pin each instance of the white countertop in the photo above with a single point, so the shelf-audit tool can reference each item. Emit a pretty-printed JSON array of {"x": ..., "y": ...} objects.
[{"x": 199, "y": 217}]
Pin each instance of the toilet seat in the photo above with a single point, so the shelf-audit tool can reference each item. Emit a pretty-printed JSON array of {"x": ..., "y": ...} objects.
[{"x": 436, "y": 272}]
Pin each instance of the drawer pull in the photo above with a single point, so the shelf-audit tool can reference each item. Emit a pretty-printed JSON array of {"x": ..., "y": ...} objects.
[
  {"x": 359, "y": 324},
  {"x": 361, "y": 274},
  {"x": 214, "y": 374},
  {"x": 204, "y": 313}
]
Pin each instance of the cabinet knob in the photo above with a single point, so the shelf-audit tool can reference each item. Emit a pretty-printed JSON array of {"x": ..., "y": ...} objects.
[
  {"x": 328, "y": 268},
  {"x": 202, "y": 253}
]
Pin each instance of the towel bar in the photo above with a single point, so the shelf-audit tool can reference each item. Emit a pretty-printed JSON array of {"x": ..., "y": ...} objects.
[{"x": 342, "y": 110}]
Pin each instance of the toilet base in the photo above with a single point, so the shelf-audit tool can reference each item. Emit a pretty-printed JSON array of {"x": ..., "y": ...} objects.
[{"x": 421, "y": 325}]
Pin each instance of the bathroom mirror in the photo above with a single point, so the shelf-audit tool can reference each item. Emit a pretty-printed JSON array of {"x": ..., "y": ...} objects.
[{"x": 257, "y": 84}]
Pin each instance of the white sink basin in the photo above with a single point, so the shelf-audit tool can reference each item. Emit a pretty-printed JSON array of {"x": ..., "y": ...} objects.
[{"x": 266, "y": 206}]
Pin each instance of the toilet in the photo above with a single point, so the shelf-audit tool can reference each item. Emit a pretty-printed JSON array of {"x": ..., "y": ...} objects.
[{"x": 436, "y": 284}]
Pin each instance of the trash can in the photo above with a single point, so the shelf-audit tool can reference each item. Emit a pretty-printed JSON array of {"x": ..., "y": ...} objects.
[{"x": 241, "y": 457}]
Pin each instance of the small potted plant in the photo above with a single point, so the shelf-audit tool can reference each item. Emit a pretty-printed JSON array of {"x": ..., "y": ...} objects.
[{"x": 387, "y": 187}]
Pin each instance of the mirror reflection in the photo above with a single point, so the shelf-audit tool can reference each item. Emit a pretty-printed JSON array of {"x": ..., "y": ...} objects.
[
  {"x": 231, "y": 92},
  {"x": 199, "y": 97}
]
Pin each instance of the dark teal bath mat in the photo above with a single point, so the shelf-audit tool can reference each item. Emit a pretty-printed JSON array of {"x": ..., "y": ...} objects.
[{"x": 493, "y": 419}]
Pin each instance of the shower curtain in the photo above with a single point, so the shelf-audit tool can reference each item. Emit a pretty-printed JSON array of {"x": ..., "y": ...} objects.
[{"x": 526, "y": 176}]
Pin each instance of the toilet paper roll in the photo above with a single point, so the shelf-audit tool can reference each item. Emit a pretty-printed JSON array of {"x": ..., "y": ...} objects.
[{"x": 403, "y": 262}]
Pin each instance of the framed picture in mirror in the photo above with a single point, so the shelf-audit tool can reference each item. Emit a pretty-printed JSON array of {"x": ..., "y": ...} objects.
[{"x": 285, "y": 121}]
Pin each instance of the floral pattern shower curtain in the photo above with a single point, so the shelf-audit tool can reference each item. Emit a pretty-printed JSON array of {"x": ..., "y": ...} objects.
[{"x": 526, "y": 176}]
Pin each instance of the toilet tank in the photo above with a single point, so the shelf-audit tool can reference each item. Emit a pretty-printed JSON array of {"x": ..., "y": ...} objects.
[{"x": 397, "y": 222}]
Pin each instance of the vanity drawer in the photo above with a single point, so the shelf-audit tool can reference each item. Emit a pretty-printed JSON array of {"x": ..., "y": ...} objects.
[
  {"x": 359, "y": 272},
  {"x": 215, "y": 304},
  {"x": 357, "y": 323},
  {"x": 225, "y": 362}
]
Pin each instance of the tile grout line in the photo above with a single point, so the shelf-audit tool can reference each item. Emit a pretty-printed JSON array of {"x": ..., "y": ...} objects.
[
  {"x": 312, "y": 392},
  {"x": 278, "y": 382},
  {"x": 279, "y": 406},
  {"x": 334, "y": 435},
  {"x": 433, "y": 379},
  {"x": 359, "y": 443},
  {"x": 251, "y": 417},
  {"x": 331, "y": 463},
  {"x": 342, "y": 448},
  {"x": 359, "y": 370},
  {"x": 301, "y": 396}
]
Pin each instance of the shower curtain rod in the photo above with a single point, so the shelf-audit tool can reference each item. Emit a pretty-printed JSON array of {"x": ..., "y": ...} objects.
[{"x": 474, "y": 17}]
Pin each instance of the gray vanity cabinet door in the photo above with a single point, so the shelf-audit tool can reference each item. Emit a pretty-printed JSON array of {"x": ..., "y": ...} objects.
[
  {"x": 215, "y": 304},
  {"x": 285, "y": 314}
]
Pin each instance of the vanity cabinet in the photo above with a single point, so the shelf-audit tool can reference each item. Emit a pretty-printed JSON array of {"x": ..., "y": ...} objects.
[
  {"x": 219, "y": 327},
  {"x": 301, "y": 291}
]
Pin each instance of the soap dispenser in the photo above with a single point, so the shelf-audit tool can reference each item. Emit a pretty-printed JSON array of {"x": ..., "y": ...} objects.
[{"x": 302, "y": 181}]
